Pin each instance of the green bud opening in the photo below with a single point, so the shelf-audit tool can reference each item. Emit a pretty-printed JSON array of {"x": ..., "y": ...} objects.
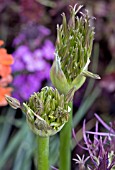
[
  {"x": 73, "y": 50},
  {"x": 47, "y": 111}
]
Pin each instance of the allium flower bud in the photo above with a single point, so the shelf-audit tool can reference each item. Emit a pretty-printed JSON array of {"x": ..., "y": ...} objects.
[
  {"x": 73, "y": 50},
  {"x": 46, "y": 111}
]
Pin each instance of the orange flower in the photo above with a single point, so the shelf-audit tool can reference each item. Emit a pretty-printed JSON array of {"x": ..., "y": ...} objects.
[
  {"x": 4, "y": 70},
  {"x": 5, "y": 74},
  {"x": 5, "y": 58},
  {"x": 5, "y": 81},
  {"x": 3, "y": 92}
]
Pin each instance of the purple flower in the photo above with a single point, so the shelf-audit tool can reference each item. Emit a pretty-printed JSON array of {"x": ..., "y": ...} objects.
[
  {"x": 19, "y": 80},
  {"x": 25, "y": 85},
  {"x": 28, "y": 60},
  {"x": 101, "y": 149},
  {"x": 20, "y": 51},
  {"x": 81, "y": 161},
  {"x": 19, "y": 64},
  {"x": 45, "y": 31},
  {"x": 32, "y": 60},
  {"x": 48, "y": 50},
  {"x": 54, "y": 168},
  {"x": 31, "y": 31},
  {"x": 19, "y": 39}
]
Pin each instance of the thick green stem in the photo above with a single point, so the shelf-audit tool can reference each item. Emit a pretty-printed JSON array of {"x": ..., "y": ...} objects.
[
  {"x": 43, "y": 153},
  {"x": 65, "y": 144}
]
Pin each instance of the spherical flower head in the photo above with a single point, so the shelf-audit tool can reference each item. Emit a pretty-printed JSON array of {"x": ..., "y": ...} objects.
[{"x": 73, "y": 50}]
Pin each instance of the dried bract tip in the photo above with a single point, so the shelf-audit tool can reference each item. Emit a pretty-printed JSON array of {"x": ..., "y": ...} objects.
[{"x": 14, "y": 103}]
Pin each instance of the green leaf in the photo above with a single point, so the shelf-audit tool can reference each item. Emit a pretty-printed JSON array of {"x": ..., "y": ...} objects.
[
  {"x": 13, "y": 145},
  {"x": 25, "y": 152},
  {"x": 6, "y": 127},
  {"x": 85, "y": 106}
]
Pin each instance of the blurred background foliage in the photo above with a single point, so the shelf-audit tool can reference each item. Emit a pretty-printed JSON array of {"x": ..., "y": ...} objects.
[{"x": 28, "y": 28}]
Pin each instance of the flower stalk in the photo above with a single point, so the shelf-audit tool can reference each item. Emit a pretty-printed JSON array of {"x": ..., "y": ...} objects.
[
  {"x": 65, "y": 144},
  {"x": 43, "y": 153}
]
